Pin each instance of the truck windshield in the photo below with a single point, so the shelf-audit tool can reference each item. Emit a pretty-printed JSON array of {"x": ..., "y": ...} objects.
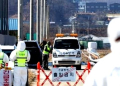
[{"x": 66, "y": 44}]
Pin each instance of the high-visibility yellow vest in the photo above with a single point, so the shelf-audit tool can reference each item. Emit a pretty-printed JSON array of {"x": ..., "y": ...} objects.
[
  {"x": 21, "y": 58},
  {"x": 48, "y": 48},
  {"x": 2, "y": 64}
]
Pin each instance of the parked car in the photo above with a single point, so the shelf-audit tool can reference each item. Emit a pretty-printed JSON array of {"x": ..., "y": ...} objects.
[
  {"x": 35, "y": 51},
  {"x": 8, "y": 49}
]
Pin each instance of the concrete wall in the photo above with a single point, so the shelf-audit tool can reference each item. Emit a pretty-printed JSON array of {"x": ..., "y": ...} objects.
[{"x": 7, "y": 40}]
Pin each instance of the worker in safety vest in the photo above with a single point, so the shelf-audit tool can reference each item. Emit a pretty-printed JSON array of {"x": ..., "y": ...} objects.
[
  {"x": 3, "y": 59},
  {"x": 107, "y": 71},
  {"x": 45, "y": 55},
  {"x": 42, "y": 45},
  {"x": 20, "y": 57}
]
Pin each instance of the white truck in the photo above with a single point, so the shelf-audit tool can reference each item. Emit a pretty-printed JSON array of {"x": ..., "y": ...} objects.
[{"x": 66, "y": 50}]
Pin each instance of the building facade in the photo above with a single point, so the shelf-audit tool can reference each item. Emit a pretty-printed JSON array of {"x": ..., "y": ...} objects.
[
  {"x": 115, "y": 7},
  {"x": 92, "y": 7},
  {"x": 82, "y": 6},
  {"x": 4, "y": 27},
  {"x": 13, "y": 24},
  {"x": 96, "y": 6}
]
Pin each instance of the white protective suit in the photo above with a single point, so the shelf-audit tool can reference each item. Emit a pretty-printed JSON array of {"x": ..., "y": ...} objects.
[
  {"x": 20, "y": 73},
  {"x": 107, "y": 71},
  {"x": 5, "y": 58}
]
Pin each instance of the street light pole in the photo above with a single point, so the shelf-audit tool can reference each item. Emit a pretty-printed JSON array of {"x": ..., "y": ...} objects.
[
  {"x": 38, "y": 21},
  {"x": 20, "y": 19},
  {"x": 47, "y": 22},
  {"x": 31, "y": 20},
  {"x": 41, "y": 20},
  {"x": 73, "y": 29},
  {"x": 73, "y": 21},
  {"x": 44, "y": 17}
]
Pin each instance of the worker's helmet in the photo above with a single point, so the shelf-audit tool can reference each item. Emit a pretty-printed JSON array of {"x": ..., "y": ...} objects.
[{"x": 48, "y": 42}]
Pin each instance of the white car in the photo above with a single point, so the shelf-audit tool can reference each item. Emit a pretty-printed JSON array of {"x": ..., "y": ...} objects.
[
  {"x": 8, "y": 48},
  {"x": 66, "y": 50}
]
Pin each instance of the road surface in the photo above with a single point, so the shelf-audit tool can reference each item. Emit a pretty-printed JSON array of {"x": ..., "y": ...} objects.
[{"x": 47, "y": 83}]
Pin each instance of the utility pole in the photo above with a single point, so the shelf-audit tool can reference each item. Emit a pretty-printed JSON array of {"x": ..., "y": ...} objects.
[
  {"x": 73, "y": 28},
  {"x": 59, "y": 29},
  {"x": 44, "y": 17},
  {"x": 41, "y": 20},
  {"x": 31, "y": 20},
  {"x": 38, "y": 21},
  {"x": 47, "y": 22},
  {"x": 73, "y": 22},
  {"x": 20, "y": 19}
]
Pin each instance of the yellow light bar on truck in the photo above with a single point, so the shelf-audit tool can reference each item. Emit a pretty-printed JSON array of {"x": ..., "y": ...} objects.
[
  {"x": 63, "y": 35},
  {"x": 59, "y": 35},
  {"x": 74, "y": 35}
]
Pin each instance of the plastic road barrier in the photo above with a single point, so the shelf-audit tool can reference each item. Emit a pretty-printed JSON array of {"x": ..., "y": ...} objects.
[
  {"x": 39, "y": 68},
  {"x": 38, "y": 73}
]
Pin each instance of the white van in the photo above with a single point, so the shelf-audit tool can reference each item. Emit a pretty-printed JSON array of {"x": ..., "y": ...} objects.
[{"x": 66, "y": 50}]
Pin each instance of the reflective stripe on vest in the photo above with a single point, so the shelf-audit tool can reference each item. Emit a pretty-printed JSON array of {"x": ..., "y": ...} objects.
[
  {"x": 21, "y": 60},
  {"x": 2, "y": 64},
  {"x": 48, "y": 48}
]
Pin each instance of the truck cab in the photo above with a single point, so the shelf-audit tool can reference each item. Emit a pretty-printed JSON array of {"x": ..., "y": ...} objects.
[{"x": 66, "y": 50}]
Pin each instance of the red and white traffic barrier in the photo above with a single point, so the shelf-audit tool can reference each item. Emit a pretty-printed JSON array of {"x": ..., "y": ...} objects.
[
  {"x": 38, "y": 73},
  {"x": 88, "y": 67}
]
